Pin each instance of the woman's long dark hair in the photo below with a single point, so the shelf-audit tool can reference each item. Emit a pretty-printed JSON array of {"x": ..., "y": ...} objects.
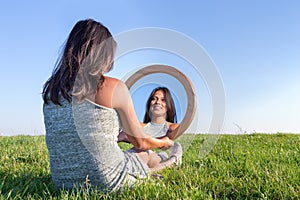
[
  {"x": 89, "y": 51},
  {"x": 171, "y": 110}
]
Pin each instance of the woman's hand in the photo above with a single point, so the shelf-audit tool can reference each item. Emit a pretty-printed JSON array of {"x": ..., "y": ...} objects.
[{"x": 168, "y": 143}]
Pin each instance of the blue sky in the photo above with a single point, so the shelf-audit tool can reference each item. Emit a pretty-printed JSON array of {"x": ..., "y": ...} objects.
[{"x": 254, "y": 44}]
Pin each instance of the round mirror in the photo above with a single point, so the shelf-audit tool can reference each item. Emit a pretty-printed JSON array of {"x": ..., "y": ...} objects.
[{"x": 184, "y": 80}]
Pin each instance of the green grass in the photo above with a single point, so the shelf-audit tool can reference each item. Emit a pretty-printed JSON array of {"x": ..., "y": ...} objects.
[{"x": 239, "y": 167}]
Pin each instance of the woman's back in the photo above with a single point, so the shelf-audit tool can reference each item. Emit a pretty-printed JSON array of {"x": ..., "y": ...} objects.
[
  {"x": 82, "y": 138},
  {"x": 82, "y": 143}
]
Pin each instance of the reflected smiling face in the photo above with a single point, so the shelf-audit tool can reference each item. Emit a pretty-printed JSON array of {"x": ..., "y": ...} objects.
[{"x": 158, "y": 106}]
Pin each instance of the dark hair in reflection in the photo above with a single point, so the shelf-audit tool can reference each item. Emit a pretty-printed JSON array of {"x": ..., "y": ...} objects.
[
  {"x": 171, "y": 110},
  {"x": 88, "y": 51}
]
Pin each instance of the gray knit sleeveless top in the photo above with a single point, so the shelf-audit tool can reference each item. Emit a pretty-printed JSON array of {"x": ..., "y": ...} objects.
[{"x": 82, "y": 142}]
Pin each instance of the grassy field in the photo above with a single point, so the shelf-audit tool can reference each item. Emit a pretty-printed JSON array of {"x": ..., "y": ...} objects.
[{"x": 255, "y": 166}]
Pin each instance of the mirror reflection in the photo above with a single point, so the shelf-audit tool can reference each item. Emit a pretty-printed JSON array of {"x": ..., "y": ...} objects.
[
  {"x": 177, "y": 82},
  {"x": 160, "y": 116}
]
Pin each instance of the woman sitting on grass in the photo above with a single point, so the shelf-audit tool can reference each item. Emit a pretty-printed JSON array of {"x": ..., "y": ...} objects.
[{"x": 83, "y": 113}]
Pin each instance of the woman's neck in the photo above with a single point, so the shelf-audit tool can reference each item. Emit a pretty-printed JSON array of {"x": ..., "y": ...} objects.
[{"x": 158, "y": 120}]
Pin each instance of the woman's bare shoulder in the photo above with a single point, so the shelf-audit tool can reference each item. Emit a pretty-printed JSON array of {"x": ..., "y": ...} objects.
[
  {"x": 111, "y": 80},
  {"x": 118, "y": 92},
  {"x": 107, "y": 92},
  {"x": 142, "y": 124},
  {"x": 173, "y": 126},
  {"x": 114, "y": 84}
]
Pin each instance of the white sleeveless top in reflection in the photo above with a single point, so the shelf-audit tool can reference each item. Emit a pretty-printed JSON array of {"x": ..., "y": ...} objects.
[{"x": 156, "y": 130}]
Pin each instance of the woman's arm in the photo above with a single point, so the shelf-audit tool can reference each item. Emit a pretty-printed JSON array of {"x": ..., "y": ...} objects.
[
  {"x": 122, "y": 137},
  {"x": 173, "y": 131},
  {"x": 122, "y": 102}
]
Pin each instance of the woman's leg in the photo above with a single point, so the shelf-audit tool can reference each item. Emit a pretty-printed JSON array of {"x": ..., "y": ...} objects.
[
  {"x": 150, "y": 157},
  {"x": 170, "y": 162},
  {"x": 175, "y": 159},
  {"x": 154, "y": 159},
  {"x": 156, "y": 163}
]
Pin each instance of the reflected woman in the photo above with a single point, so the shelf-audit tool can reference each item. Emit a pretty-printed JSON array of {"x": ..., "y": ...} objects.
[{"x": 160, "y": 116}]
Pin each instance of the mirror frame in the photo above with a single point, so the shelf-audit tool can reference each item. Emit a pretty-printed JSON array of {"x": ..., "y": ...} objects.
[{"x": 182, "y": 78}]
